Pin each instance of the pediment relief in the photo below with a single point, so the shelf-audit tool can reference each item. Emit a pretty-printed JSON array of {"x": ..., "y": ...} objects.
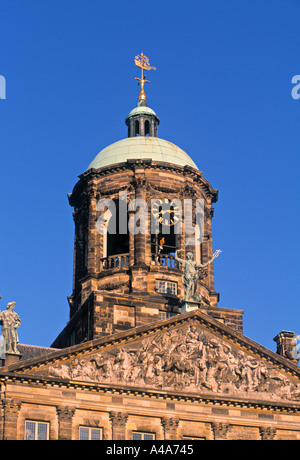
[{"x": 184, "y": 358}]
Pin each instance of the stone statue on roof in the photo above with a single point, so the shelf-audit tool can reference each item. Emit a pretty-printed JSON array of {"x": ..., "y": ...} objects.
[{"x": 10, "y": 323}]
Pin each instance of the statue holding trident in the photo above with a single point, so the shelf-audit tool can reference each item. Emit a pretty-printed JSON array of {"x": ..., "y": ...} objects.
[
  {"x": 142, "y": 62},
  {"x": 10, "y": 323},
  {"x": 191, "y": 274}
]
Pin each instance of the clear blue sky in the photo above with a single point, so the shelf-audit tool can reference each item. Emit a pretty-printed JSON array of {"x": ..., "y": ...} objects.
[{"x": 222, "y": 90}]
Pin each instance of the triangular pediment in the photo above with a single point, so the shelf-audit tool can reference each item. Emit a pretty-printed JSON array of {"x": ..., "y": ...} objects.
[{"x": 190, "y": 354}]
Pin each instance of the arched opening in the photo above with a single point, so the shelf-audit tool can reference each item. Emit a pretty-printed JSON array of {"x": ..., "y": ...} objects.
[
  {"x": 163, "y": 247},
  {"x": 166, "y": 217},
  {"x": 137, "y": 128},
  {"x": 116, "y": 239},
  {"x": 147, "y": 128}
]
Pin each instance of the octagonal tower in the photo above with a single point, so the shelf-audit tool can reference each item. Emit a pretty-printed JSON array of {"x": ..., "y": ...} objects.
[{"x": 123, "y": 278}]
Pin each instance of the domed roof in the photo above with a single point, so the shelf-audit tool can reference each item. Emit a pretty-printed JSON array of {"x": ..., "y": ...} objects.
[
  {"x": 141, "y": 110},
  {"x": 141, "y": 147}
]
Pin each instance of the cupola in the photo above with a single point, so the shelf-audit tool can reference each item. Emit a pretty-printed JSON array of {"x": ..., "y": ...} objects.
[{"x": 142, "y": 121}]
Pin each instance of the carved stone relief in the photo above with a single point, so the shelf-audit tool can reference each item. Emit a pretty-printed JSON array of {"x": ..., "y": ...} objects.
[{"x": 187, "y": 359}]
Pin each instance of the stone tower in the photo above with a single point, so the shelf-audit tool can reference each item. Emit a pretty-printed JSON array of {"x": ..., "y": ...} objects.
[{"x": 131, "y": 208}]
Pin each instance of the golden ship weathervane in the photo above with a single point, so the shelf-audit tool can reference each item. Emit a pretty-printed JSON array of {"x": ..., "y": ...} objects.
[{"x": 142, "y": 62}]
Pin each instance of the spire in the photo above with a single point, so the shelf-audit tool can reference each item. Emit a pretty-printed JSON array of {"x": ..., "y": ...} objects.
[
  {"x": 142, "y": 62},
  {"x": 142, "y": 121}
]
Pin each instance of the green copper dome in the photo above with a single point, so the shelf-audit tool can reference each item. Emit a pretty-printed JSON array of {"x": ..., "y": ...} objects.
[
  {"x": 142, "y": 147},
  {"x": 141, "y": 110}
]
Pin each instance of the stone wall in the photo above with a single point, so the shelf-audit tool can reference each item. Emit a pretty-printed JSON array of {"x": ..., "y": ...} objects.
[{"x": 66, "y": 408}]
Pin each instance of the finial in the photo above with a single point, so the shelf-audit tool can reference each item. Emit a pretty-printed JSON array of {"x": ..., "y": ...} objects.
[{"x": 142, "y": 62}]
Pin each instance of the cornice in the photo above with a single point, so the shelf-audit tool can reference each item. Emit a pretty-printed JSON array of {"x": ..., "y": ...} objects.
[
  {"x": 125, "y": 390},
  {"x": 89, "y": 176}
]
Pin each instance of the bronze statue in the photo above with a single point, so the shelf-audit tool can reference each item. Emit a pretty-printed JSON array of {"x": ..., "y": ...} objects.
[
  {"x": 191, "y": 273},
  {"x": 10, "y": 323}
]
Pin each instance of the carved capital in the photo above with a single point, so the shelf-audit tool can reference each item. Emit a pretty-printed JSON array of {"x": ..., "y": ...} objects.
[
  {"x": 267, "y": 433},
  {"x": 65, "y": 413},
  {"x": 220, "y": 430},
  {"x": 118, "y": 419},
  {"x": 140, "y": 184},
  {"x": 170, "y": 426},
  {"x": 209, "y": 213},
  {"x": 9, "y": 417},
  {"x": 11, "y": 407}
]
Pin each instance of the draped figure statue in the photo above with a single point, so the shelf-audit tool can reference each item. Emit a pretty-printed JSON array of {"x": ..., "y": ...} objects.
[
  {"x": 191, "y": 273},
  {"x": 10, "y": 323}
]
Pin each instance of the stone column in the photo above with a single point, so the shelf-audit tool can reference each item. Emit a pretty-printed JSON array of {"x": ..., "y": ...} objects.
[
  {"x": 170, "y": 426},
  {"x": 209, "y": 247},
  {"x": 267, "y": 433},
  {"x": 93, "y": 266},
  {"x": 220, "y": 430},
  {"x": 10, "y": 410},
  {"x": 139, "y": 281},
  {"x": 140, "y": 238},
  {"x": 65, "y": 416},
  {"x": 131, "y": 242},
  {"x": 118, "y": 423}
]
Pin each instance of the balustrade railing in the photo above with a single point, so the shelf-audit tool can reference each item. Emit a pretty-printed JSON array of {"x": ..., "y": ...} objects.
[
  {"x": 164, "y": 260},
  {"x": 122, "y": 260},
  {"x": 116, "y": 261}
]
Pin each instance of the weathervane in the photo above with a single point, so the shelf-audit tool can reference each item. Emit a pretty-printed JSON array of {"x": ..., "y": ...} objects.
[{"x": 142, "y": 62}]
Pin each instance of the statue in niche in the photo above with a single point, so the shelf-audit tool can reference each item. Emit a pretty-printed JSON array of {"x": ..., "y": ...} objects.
[
  {"x": 10, "y": 323},
  {"x": 191, "y": 274}
]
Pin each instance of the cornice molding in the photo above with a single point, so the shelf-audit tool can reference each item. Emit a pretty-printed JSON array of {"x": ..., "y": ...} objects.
[{"x": 123, "y": 390}]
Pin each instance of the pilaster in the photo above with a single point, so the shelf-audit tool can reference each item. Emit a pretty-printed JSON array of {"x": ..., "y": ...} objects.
[
  {"x": 65, "y": 416},
  {"x": 220, "y": 430},
  {"x": 118, "y": 424},
  {"x": 170, "y": 426},
  {"x": 10, "y": 410},
  {"x": 267, "y": 433}
]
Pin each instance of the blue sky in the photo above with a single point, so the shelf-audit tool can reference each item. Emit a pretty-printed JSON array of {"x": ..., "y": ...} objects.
[{"x": 222, "y": 90}]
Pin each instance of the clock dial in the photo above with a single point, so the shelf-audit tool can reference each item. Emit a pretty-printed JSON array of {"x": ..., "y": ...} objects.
[{"x": 166, "y": 212}]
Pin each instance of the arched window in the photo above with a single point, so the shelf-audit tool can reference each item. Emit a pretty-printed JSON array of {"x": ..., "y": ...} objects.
[
  {"x": 137, "y": 127},
  {"x": 116, "y": 241},
  {"x": 166, "y": 225},
  {"x": 147, "y": 128}
]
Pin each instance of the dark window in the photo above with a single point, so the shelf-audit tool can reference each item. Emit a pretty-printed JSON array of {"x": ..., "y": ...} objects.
[
  {"x": 137, "y": 127},
  {"x": 147, "y": 128}
]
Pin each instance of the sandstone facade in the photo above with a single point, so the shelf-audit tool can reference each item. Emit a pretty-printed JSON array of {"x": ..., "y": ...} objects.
[{"x": 131, "y": 364}]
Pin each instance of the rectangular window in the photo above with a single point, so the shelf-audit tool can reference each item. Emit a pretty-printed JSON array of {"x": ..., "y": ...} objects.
[
  {"x": 72, "y": 339},
  {"x": 88, "y": 433},
  {"x": 165, "y": 314},
  {"x": 169, "y": 314},
  {"x": 162, "y": 315},
  {"x": 140, "y": 436},
  {"x": 36, "y": 431},
  {"x": 166, "y": 287}
]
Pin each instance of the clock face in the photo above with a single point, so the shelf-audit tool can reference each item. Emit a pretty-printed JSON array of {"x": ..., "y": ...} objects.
[{"x": 166, "y": 212}]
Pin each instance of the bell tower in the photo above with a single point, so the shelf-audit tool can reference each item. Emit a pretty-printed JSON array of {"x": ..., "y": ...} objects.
[{"x": 136, "y": 216}]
